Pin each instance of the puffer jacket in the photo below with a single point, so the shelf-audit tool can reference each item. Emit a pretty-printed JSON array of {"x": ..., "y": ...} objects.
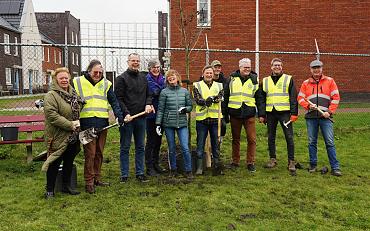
[
  {"x": 58, "y": 123},
  {"x": 170, "y": 100}
]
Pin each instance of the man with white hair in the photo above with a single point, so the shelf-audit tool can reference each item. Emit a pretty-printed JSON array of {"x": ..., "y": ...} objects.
[{"x": 242, "y": 96}]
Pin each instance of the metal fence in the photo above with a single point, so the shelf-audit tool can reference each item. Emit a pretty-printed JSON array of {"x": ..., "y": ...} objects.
[{"x": 25, "y": 70}]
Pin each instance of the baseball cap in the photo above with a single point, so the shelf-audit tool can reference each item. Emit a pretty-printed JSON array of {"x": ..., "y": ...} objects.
[
  {"x": 316, "y": 63},
  {"x": 216, "y": 63}
]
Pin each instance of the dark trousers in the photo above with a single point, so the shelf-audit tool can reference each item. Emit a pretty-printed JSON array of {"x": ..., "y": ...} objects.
[
  {"x": 153, "y": 144},
  {"x": 250, "y": 129},
  {"x": 202, "y": 133},
  {"x": 272, "y": 120},
  {"x": 67, "y": 157},
  {"x": 94, "y": 158}
]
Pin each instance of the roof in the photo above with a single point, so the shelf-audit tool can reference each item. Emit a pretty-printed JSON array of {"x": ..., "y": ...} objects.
[
  {"x": 11, "y": 11},
  {"x": 6, "y": 25},
  {"x": 46, "y": 39}
]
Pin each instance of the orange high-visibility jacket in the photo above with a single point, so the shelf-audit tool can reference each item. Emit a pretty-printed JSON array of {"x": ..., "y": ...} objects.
[{"x": 324, "y": 93}]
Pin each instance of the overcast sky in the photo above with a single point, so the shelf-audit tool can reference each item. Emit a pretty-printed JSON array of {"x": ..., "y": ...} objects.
[{"x": 106, "y": 10}]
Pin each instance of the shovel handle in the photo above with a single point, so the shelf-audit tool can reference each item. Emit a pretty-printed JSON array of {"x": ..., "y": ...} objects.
[
  {"x": 136, "y": 115},
  {"x": 318, "y": 109}
]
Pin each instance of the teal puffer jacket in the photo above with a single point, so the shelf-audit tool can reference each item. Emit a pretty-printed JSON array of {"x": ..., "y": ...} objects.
[{"x": 170, "y": 100}]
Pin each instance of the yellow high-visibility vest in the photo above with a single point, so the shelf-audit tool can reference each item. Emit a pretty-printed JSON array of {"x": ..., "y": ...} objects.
[
  {"x": 95, "y": 97},
  {"x": 277, "y": 96},
  {"x": 242, "y": 93},
  {"x": 207, "y": 112}
]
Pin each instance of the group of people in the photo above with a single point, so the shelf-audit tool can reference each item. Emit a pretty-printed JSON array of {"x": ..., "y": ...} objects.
[{"x": 152, "y": 104}]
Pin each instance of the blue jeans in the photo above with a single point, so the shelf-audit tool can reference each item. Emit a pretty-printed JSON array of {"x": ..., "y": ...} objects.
[
  {"x": 326, "y": 127},
  {"x": 136, "y": 128},
  {"x": 183, "y": 135},
  {"x": 202, "y": 133}
]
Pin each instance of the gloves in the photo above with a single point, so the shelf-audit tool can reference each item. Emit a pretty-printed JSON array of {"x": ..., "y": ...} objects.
[
  {"x": 293, "y": 118},
  {"x": 158, "y": 129},
  {"x": 216, "y": 99},
  {"x": 209, "y": 101},
  {"x": 75, "y": 124},
  {"x": 201, "y": 102},
  {"x": 182, "y": 110}
]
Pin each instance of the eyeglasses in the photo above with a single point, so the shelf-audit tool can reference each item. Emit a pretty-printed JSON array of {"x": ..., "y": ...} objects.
[
  {"x": 97, "y": 72},
  {"x": 156, "y": 67}
]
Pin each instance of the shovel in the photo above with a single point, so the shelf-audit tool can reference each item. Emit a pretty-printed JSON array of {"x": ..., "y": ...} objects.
[{"x": 90, "y": 134}]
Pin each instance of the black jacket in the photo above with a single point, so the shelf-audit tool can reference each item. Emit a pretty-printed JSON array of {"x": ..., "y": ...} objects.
[
  {"x": 131, "y": 89},
  {"x": 292, "y": 95},
  {"x": 244, "y": 111}
]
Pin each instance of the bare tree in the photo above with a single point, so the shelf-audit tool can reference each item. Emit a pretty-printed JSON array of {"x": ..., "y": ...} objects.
[{"x": 190, "y": 35}]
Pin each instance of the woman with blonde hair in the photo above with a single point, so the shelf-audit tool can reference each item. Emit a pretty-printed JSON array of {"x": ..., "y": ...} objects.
[
  {"x": 62, "y": 108},
  {"x": 174, "y": 103}
]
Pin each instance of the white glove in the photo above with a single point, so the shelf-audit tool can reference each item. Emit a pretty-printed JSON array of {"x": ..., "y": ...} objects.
[
  {"x": 158, "y": 130},
  {"x": 181, "y": 108}
]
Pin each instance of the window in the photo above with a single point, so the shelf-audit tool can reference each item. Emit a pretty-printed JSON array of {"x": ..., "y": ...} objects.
[
  {"x": 43, "y": 53},
  {"x": 47, "y": 54},
  {"x": 60, "y": 57},
  {"x": 8, "y": 76},
  {"x": 76, "y": 59},
  {"x": 55, "y": 57},
  {"x": 73, "y": 58},
  {"x": 15, "y": 47},
  {"x": 7, "y": 47},
  {"x": 72, "y": 37},
  {"x": 76, "y": 39},
  {"x": 204, "y": 13}
]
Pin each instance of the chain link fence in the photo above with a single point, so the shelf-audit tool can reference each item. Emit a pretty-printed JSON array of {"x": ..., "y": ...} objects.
[{"x": 25, "y": 71}]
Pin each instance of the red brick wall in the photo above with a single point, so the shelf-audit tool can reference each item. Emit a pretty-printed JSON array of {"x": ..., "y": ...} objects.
[{"x": 339, "y": 26}]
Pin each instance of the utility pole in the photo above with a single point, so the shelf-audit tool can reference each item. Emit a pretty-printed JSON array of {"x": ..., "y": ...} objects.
[{"x": 113, "y": 72}]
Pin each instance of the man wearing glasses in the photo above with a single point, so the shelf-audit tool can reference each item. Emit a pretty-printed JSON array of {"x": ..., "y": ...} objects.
[
  {"x": 134, "y": 97},
  {"x": 242, "y": 96},
  {"x": 98, "y": 94}
]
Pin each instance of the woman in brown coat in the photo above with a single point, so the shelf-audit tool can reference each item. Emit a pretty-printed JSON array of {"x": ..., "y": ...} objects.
[{"x": 62, "y": 108}]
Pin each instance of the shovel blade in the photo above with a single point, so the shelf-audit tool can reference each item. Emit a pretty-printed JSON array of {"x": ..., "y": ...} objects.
[{"x": 87, "y": 136}]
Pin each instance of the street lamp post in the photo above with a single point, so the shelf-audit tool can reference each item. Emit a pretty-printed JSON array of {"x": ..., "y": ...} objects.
[{"x": 113, "y": 75}]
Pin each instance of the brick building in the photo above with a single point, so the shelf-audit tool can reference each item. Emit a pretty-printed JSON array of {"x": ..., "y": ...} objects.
[
  {"x": 63, "y": 28},
  {"x": 52, "y": 59},
  {"x": 10, "y": 59},
  {"x": 339, "y": 26}
]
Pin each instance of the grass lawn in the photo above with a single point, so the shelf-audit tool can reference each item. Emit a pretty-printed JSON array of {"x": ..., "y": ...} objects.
[{"x": 266, "y": 200}]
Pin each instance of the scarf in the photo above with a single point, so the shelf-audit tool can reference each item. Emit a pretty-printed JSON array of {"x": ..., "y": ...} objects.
[{"x": 74, "y": 100}]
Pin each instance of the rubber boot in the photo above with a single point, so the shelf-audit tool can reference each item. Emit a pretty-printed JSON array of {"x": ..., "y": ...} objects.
[
  {"x": 68, "y": 190},
  {"x": 217, "y": 167},
  {"x": 199, "y": 167}
]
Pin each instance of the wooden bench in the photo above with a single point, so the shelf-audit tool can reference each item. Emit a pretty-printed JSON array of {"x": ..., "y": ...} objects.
[{"x": 25, "y": 123}]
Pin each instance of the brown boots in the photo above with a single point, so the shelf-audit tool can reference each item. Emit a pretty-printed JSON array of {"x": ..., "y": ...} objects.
[{"x": 271, "y": 164}]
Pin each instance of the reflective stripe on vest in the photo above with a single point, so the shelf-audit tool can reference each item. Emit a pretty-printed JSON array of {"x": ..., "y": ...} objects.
[
  {"x": 277, "y": 96},
  {"x": 242, "y": 93},
  {"x": 202, "y": 112},
  {"x": 95, "y": 97}
]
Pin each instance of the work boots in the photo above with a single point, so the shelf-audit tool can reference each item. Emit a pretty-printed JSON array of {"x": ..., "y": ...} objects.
[
  {"x": 291, "y": 167},
  {"x": 217, "y": 167},
  {"x": 68, "y": 190},
  {"x": 199, "y": 167},
  {"x": 272, "y": 163}
]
